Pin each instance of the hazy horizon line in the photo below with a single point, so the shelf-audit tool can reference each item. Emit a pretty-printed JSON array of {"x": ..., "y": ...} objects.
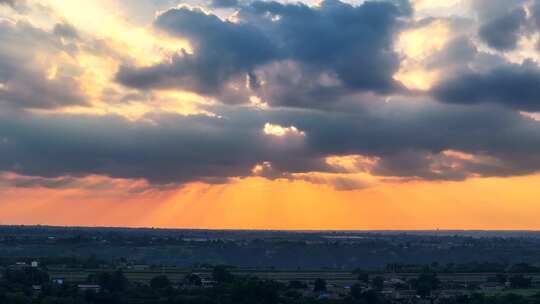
[{"x": 266, "y": 230}]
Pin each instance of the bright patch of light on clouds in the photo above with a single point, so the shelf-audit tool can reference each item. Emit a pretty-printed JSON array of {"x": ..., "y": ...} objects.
[
  {"x": 280, "y": 131},
  {"x": 531, "y": 115},
  {"x": 417, "y": 45},
  {"x": 352, "y": 163}
]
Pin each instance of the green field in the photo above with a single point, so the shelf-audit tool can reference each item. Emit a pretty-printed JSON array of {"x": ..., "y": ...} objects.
[{"x": 522, "y": 292}]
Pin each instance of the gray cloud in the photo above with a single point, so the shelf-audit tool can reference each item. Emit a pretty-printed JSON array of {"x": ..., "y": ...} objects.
[
  {"x": 503, "y": 33},
  {"x": 178, "y": 149},
  {"x": 65, "y": 30},
  {"x": 25, "y": 78},
  {"x": 222, "y": 50},
  {"x": 338, "y": 182},
  {"x": 224, "y": 3},
  {"x": 514, "y": 86},
  {"x": 353, "y": 44},
  {"x": 492, "y": 9},
  {"x": 535, "y": 10},
  {"x": 8, "y": 2}
]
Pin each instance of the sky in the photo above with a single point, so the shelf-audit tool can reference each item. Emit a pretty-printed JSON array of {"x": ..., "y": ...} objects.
[{"x": 250, "y": 114}]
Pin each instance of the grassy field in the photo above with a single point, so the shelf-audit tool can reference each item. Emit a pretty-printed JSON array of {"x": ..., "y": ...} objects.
[
  {"x": 522, "y": 292},
  {"x": 176, "y": 275}
]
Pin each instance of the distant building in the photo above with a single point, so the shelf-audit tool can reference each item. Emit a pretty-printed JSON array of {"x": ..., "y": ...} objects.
[
  {"x": 19, "y": 266},
  {"x": 140, "y": 267},
  {"x": 207, "y": 283},
  {"x": 58, "y": 281},
  {"x": 490, "y": 286},
  {"x": 452, "y": 293},
  {"x": 405, "y": 294},
  {"x": 34, "y": 264}
]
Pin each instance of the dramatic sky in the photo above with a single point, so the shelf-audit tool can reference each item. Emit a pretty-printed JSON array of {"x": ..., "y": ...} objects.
[{"x": 384, "y": 114}]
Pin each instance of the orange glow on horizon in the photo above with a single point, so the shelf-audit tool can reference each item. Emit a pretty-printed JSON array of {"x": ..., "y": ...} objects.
[{"x": 257, "y": 203}]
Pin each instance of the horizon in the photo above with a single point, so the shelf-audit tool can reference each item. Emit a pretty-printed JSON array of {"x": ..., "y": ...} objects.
[{"x": 435, "y": 231}]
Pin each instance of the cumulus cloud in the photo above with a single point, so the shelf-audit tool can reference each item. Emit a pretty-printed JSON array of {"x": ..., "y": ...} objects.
[
  {"x": 30, "y": 73},
  {"x": 223, "y": 50},
  {"x": 504, "y": 32},
  {"x": 512, "y": 85},
  {"x": 335, "y": 47}
]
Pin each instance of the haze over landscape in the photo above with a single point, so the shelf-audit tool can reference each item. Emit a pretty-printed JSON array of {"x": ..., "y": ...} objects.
[{"x": 274, "y": 115}]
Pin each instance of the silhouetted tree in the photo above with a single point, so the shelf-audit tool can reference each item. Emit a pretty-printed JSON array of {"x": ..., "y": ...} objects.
[
  {"x": 519, "y": 281},
  {"x": 378, "y": 283},
  {"x": 295, "y": 284},
  {"x": 501, "y": 278},
  {"x": 160, "y": 282},
  {"x": 319, "y": 285},
  {"x": 113, "y": 282},
  {"x": 426, "y": 283},
  {"x": 27, "y": 276},
  {"x": 361, "y": 275},
  {"x": 221, "y": 274}
]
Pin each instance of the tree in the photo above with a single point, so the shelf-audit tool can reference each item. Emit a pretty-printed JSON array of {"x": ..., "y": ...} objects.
[
  {"x": 361, "y": 276},
  {"x": 113, "y": 282},
  {"x": 27, "y": 276},
  {"x": 378, "y": 283},
  {"x": 295, "y": 284},
  {"x": 426, "y": 283},
  {"x": 501, "y": 278},
  {"x": 519, "y": 281},
  {"x": 319, "y": 285},
  {"x": 252, "y": 290},
  {"x": 160, "y": 282},
  {"x": 356, "y": 291},
  {"x": 221, "y": 274}
]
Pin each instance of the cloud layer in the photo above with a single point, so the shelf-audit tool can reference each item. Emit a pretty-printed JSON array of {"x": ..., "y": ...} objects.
[{"x": 270, "y": 89}]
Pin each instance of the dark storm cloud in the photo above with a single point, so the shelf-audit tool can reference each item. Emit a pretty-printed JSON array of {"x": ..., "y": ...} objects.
[
  {"x": 222, "y": 49},
  {"x": 26, "y": 81},
  {"x": 409, "y": 143},
  {"x": 353, "y": 44},
  {"x": 178, "y": 149},
  {"x": 514, "y": 86},
  {"x": 504, "y": 32}
]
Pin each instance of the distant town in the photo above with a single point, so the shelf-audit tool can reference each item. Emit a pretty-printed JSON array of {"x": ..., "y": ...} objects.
[{"x": 112, "y": 265}]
